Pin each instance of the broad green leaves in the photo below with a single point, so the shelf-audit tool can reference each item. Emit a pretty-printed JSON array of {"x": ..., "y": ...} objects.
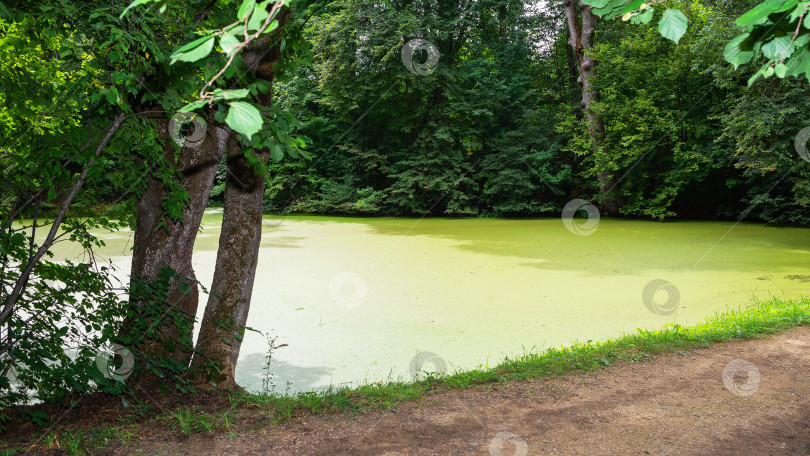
[
  {"x": 644, "y": 17},
  {"x": 739, "y": 50},
  {"x": 254, "y": 19},
  {"x": 605, "y": 8},
  {"x": 228, "y": 43},
  {"x": 244, "y": 118},
  {"x": 161, "y": 4},
  {"x": 217, "y": 95},
  {"x": 673, "y": 25},
  {"x": 778, "y": 30},
  {"x": 194, "y": 51},
  {"x": 245, "y": 9},
  {"x": 759, "y": 14}
]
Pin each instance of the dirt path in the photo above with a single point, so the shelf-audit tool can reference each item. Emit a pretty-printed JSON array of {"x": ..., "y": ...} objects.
[{"x": 674, "y": 405}]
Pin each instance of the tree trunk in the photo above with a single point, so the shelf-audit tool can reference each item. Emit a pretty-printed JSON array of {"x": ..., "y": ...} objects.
[
  {"x": 157, "y": 247},
  {"x": 580, "y": 40},
  {"x": 573, "y": 73},
  {"x": 228, "y": 304}
]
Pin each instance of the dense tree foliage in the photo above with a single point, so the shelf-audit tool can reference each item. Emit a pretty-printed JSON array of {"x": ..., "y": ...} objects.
[{"x": 495, "y": 129}]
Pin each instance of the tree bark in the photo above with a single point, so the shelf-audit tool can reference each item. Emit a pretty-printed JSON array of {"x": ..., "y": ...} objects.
[
  {"x": 157, "y": 247},
  {"x": 226, "y": 312},
  {"x": 228, "y": 304},
  {"x": 581, "y": 27}
]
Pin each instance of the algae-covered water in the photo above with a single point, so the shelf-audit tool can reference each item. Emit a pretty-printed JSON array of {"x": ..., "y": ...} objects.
[{"x": 356, "y": 299}]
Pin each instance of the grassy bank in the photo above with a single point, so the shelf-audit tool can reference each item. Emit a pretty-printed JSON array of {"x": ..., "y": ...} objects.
[
  {"x": 757, "y": 320},
  {"x": 228, "y": 411}
]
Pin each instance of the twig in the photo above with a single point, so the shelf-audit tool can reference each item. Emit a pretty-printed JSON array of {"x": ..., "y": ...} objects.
[
  {"x": 235, "y": 51},
  {"x": 796, "y": 33}
]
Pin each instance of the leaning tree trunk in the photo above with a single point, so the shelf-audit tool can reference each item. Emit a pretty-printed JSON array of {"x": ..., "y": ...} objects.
[
  {"x": 226, "y": 312},
  {"x": 581, "y": 39},
  {"x": 162, "y": 243}
]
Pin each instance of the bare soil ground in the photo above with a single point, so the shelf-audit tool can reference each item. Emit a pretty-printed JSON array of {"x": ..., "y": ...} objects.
[{"x": 674, "y": 405}]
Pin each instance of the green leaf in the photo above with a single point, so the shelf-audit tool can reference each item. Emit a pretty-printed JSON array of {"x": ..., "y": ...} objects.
[
  {"x": 673, "y": 25},
  {"x": 610, "y": 9},
  {"x": 789, "y": 4},
  {"x": 112, "y": 96},
  {"x": 220, "y": 94},
  {"x": 739, "y": 50},
  {"x": 799, "y": 63},
  {"x": 276, "y": 153},
  {"x": 632, "y": 6},
  {"x": 780, "y": 69},
  {"x": 797, "y": 11},
  {"x": 802, "y": 40},
  {"x": 192, "y": 106},
  {"x": 755, "y": 77},
  {"x": 596, "y": 3},
  {"x": 258, "y": 17},
  {"x": 644, "y": 17},
  {"x": 195, "y": 50},
  {"x": 244, "y": 118},
  {"x": 272, "y": 26},
  {"x": 228, "y": 42},
  {"x": 245, "y": 8},
  {"x": 133, "y": 5},
  {"x": 778, "y": 48},
  {"x": 759, "y": 14}
]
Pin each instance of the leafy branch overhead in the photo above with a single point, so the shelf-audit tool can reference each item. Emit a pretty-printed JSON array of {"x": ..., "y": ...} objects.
[
  {"x": 778, "y": 30},
  {"x": 672, "y": 25},
  {"x": 252, "y": 21}
]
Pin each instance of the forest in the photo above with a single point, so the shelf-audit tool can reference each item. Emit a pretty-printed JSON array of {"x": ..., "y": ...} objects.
[
  {"x": 496, "y": 128},
  {"x": 141, "y": 117},
  {"x": 503, "y": 108}
]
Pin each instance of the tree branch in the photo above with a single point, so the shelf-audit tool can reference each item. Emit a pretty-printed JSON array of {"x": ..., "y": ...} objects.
[{"x": 23, "y": 278}]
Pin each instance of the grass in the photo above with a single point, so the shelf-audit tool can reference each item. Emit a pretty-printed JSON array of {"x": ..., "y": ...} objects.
[
  {"x": 75, "y": 441},
  {"x": 760, "y": 319}
]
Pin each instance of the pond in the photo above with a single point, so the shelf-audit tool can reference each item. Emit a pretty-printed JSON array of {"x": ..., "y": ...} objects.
[{"x": 361, "y": 300}]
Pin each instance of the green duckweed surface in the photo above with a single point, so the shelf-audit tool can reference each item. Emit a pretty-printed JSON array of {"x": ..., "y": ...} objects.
[{"x": 356, "y": 299}]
